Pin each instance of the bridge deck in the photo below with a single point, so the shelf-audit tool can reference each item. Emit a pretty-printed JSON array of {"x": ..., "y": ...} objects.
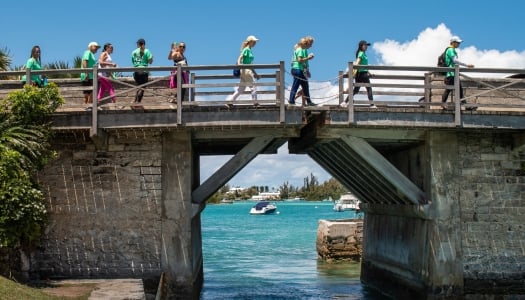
[{"x": 500, "y": 102}]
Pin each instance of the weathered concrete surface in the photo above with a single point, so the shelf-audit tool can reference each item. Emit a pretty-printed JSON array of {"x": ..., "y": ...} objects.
[
  {"x": 469, "y": 240},
  {"x": 340, "y": 240}
]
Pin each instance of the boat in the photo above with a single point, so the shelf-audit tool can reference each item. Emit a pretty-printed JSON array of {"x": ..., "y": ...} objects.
[
  {"x": 263, "y": 208},
  {"x": 347, "y": 202},
  {"x": 226, "y": 201}
]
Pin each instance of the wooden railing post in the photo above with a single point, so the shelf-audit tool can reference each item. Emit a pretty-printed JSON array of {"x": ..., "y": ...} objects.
[
  {"x": 94, "y": 97},
  {"x": 350, "y": 93},
  {"x": 28, "y": 76},
  {"x": 281, "y": 99},
  {"x": 341, "y": 87},
  {"x": 192, "y": 80},
  {"x": 457, "y": 100},
  {"x": 179, "y": 95}
]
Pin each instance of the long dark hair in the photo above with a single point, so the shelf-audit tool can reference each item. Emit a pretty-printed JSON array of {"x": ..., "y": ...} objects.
[
  {"x": 360, "y": 47},
  {"x": 33, "y": 50},
  {"x": 106, "y": 46}
]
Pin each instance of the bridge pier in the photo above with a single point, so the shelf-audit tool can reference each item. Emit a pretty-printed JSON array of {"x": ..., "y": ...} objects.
[
  {"x": 181, "y": 241},
  {"x": 457, "y": 244}
]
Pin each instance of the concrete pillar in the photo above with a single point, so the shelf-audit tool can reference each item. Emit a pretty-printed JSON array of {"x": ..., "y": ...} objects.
[
  {"x": 181, "y": 253},
  {"x": 445, "y": 264},
  {"x": 415, "y": 251}
]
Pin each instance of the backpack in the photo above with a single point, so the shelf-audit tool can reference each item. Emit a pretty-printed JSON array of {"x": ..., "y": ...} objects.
[{"x": 442, "y": 61}]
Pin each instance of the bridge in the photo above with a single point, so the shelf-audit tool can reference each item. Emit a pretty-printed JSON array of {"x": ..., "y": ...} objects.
[{"x": 442, "y": 189}]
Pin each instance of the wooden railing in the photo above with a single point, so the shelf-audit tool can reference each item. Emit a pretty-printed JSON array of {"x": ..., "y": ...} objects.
[{"x": 393, "y": 87}]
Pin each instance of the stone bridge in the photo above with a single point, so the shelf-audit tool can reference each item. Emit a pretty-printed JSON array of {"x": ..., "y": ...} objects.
[{"x": 443, "y": 190}]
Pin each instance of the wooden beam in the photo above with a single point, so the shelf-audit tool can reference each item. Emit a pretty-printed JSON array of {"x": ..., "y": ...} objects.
[
  {"x": 230, "y": 168},
  {"x": 385, "y": 169}
]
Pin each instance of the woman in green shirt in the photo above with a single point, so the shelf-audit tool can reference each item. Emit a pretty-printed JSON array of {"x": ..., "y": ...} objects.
[
  {"x": 248, "y": 76},
  {"x": 301, "y": 71},
  {"x": 33, "y": 63},
  {"x": 362, "y": 75}
]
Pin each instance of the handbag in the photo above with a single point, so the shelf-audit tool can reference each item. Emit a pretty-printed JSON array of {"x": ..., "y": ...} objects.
[{"x": 236, "y": 73}]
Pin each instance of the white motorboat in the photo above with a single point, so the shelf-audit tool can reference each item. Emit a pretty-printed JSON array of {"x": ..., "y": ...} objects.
[
  {"x": 263, "y": 208},
  {"x": 347, "y": 202}
]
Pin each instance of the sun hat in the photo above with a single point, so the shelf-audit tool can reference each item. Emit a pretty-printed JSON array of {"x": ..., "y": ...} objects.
[
  {"x": 93, "y": 44},
  {"x": 456, "y": 39},
  {"x": 251, "y": 38}
]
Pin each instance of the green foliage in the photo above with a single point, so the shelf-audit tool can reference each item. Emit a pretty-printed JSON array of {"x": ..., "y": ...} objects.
[
  {"x": 5, "y": 60},
  {"x": 21, "y": 204},
  {"x": 33, "y": 105},
  {"x": 24, "y": 148}
]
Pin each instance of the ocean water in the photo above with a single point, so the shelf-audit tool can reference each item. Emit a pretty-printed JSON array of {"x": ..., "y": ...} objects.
[{"x": 273, "y": 256}]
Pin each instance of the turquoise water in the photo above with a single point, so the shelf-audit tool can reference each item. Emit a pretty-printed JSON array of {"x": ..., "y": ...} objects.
[{"x": 273, "y": 256}]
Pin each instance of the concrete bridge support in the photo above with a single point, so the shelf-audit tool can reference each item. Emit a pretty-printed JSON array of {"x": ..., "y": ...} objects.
[
  {"x": 467, "y": 241},
  {"x": 181, "y": 241}
]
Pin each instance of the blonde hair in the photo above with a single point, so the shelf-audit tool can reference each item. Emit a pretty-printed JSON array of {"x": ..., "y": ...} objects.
[{"x": 304, "y": 41}]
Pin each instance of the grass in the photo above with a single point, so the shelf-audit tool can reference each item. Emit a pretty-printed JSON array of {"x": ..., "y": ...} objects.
[{"x": 10, "y": 290}]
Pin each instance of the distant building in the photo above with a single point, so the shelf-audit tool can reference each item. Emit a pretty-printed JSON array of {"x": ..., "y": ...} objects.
[
  {"x": 234, "y": 190},
  {"x": 267, "y": 196}
]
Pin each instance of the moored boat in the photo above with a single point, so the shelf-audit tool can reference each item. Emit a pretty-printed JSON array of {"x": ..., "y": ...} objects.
[
  {"x": 347, "y": 202},
  {"x": 263, "y": 208}
]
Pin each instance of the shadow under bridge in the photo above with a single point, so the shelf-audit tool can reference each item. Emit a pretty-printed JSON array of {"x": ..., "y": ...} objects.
[{"x": 380, "y": 166}]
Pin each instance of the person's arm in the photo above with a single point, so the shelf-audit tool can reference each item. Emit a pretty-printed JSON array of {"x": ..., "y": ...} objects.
[{"x": 458, "y": 62}]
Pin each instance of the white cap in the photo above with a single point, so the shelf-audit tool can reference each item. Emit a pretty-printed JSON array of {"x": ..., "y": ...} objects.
[
  {"x": 456, "y": 39},
  {"x": 251, "y": 38},
  {"x": 93, "y": 44}
]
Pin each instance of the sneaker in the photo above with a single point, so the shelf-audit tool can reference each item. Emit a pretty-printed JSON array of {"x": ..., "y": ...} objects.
[
  {"x": 228, "y": 105},
  {"x": 343, "y": 104},
  {"x": 310, "y": 104},
  {"x": 373, "y": 106},
  {"x": 89, "y": 108}
]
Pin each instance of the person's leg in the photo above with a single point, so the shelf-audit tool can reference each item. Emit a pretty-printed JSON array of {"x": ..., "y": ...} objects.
[
  {"x": 446, "y": 92},
  {"x": 242, "y": 85},
  {"x": 251, "y": 80},
  {"x": 298, "y": 76},
  {"x": 306, "y": 91},
  {"x": 358, "y": 79},
  {"x": 102, "y": 87},
  {"x": 140, "y": 78}
]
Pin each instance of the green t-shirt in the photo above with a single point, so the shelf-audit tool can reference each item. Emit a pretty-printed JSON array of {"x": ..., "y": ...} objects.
[
  {"x": 247, "y": 56},
  {"x": 33, "y": 64},
  {"x": 449, "y": 59},
  {"x": 364, "y": 60},
  {"x": 299, "y": 52},
  {"x": 141, "y": 60},
  {"x": 91, "y": 61}
]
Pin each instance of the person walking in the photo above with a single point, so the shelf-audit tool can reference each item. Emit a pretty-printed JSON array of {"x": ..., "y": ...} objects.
[
  {"x": 141, "y": 57},
  {"x": 88, "y": 61},
  {"x": 33, "y": 63},
  {"x": 451, "y": 60},
  {"x": 248, "y": 76},
  {"x": 179, "y": 59},
  {"x": 301, "y": 70},
  {"x": 104, "y": 79},
  {"x": 362, "y": 75}
]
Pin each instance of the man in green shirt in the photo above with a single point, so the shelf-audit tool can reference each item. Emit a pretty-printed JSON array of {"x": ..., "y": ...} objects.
[
  {"x": 140, "y": 58},
  {"x": 88, "y": 61},
  {"x": 451, "y": 59}
]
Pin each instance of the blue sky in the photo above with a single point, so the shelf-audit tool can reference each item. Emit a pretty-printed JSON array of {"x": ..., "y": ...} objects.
[{"x": 401, "y": 33}]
